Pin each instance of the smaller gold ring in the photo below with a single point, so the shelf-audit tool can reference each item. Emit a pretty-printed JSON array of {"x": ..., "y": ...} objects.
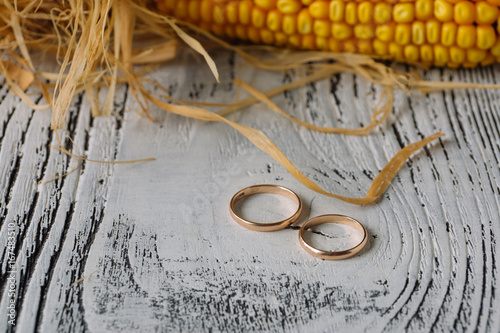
[
  {"x": 332, "y": 218},
  {"x": 273, "y": 189}
]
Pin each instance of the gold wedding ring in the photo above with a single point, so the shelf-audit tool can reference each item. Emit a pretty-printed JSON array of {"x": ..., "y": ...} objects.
[
  {"x": 273, "y": 189},
  {"x": 330, "y": 255}
]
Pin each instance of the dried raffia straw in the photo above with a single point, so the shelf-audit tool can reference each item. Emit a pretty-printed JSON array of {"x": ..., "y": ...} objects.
[
  {"x": 97, "y": 43},
  {"x": 22, "y": 78},
  {"x": 80, "y": 280},
  {"x": 380, "y": 114}
]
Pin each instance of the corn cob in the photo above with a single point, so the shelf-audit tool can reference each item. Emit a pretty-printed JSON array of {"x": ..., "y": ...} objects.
[{"x": 450, "y": 33}]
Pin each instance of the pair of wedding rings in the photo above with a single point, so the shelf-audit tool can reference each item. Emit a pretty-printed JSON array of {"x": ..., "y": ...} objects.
[{"x": 315, "y": 221}]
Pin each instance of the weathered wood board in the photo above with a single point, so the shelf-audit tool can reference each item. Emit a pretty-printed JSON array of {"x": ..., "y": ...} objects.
[{"x": 166, "y": 255}]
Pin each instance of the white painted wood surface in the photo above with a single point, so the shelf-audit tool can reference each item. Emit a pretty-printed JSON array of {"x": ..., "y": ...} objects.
[{"x": 166, "y": 255}]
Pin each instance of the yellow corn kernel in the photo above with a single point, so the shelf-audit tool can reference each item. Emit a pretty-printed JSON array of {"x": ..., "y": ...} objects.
[
  {"x": 411, "y": 53},
  {"x": 229, "y": 31},
  {"x": 170, "y": 4},
  {"x": 396, "y": 51},
  {"x": 448, "y": 33},
  {"x": 490, "y": 59},
  {"x": 440, "y": 55},
  {"x": 466, "y": 35},
  {"x": 266, "y": 36},
  {"x": 308, "y": 42},
  {"x": 206, "y": 10},
  {"x": 304, "y": 22},
  {"x": 194, "y": 10},
  {"x": 341, "y": 31},
  {"x": 402, "y": 34},
  {"x": 403, "y": 12},
  {"x": 280, "y": 39},
  {"x": 443, "y": 10},
  {"x": 365, "y": 12},
  {"x": 486, "y": 13},
  {"x": 307, "y": 2},
  {"x": 322, "y": 43},
  {"x": 274, "y": 20},
  {"x": 418, "y": 33},
  {"x": 380, "y": 48},
  {"x": 433, "y": 31},
  {"x": 319, "y": 9},
  {"x": 336, "y": 10},
  {"x": 289, "y": 6},
  {"x": 232, "y": 12},
  {"x": 244, "y": 11},
  {"x": 181, "y": 10},
  {"x": 424, "y": 9},
  {"x": 219, "y": 16},
  {"x": 365, "y": 47},
  {"x": 166, "y": 6},
  {"x": 364, "y": 31},
  {"x": 258, "y": 17},
  {"x": 475, "y": 55},
  {"x": 468, "y": 64},
  {"x": 266, "y": 4},
  {"x": 382, "y": 13},
  {"x": 486, "y": 37},
  {"x": 289, "y": 24},
  {"x": 495, "y": 49},
  {"x": 294, "y": 41},
  {"x": 351, "y": 13},
  {"x": 241, "y": 32},
  {"x": 218, "y": 29},
  {"x": 427, "y": 53},
  {"x": 457, "y": 54},
  {"x": 385, "y": 32},
  {"x": 334, "y": 45},
  {"x": 322, "y": 28},
  {"x": 253, "y": 34},
  {"x": 349, "y": 46},
  {"x": 162, "y": 7},
  {"x": 464, "y": 12}
]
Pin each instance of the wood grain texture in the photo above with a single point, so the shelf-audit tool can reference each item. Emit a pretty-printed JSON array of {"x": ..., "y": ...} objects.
[{"x": 167, "y": 256}]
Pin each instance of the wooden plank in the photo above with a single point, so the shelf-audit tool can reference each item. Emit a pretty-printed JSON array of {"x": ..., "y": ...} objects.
[{"x": 168, "y": 257}]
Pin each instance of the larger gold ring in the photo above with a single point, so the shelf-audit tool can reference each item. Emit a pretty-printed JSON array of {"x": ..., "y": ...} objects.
[
  {"x": 274, "y": 189},
  {"x": 331, "y": 255}
]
